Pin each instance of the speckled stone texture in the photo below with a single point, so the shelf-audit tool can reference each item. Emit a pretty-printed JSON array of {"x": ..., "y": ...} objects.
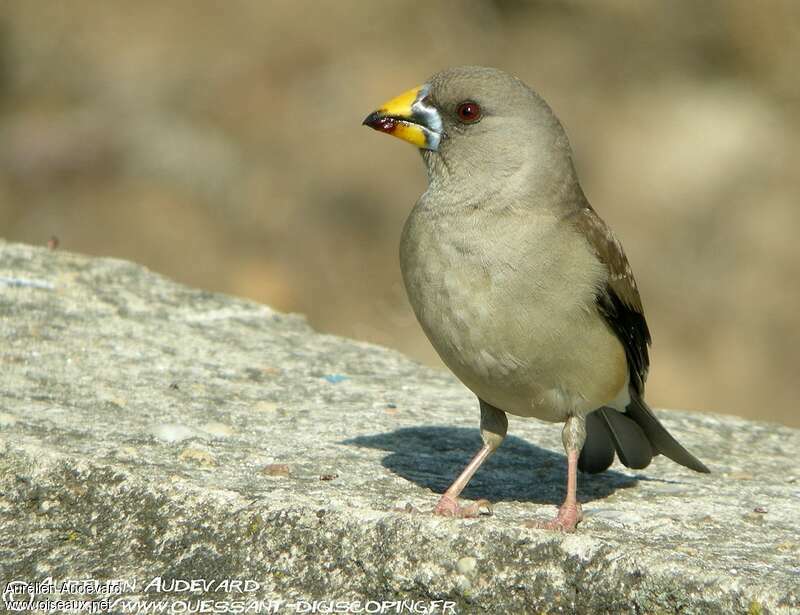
[{"x": 148, "y": 429}]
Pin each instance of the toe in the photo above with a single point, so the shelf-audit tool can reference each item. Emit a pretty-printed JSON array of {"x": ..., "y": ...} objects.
[
  {"x": 448, "y": 507},
  {"x": 476, "y": 509},
  {"x": 566, "y": 520}
]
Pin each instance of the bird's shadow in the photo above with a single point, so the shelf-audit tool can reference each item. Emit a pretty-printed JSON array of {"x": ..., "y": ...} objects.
[{"x": 432, "y": 457}]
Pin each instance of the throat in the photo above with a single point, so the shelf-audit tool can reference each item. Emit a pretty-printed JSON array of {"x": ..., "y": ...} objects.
[{"x": 495, "y": 185}]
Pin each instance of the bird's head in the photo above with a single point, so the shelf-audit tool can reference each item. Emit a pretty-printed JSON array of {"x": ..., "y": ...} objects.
[{"x": 473, "y": 122}]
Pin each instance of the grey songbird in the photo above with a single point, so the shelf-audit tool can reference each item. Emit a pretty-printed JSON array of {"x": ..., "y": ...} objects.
[{"x": 520, "y": 286}]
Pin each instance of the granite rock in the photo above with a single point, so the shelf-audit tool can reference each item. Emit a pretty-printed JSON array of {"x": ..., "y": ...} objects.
[{"x": 152, "y": 431}]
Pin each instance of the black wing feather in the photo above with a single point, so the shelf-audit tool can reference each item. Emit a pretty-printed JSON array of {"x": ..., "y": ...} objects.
[
  {"x": 637, "y": 434},
  {"x": 619, "y": 301}
]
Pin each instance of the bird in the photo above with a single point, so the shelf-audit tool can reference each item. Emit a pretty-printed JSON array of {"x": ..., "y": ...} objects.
[{"x": 522, "y": 289}]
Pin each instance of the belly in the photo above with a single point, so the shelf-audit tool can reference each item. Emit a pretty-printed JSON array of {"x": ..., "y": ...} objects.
[{"x": 521, "y": 335}]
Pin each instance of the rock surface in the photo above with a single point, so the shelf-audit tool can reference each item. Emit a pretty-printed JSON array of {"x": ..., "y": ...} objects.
[{"x": 150, "y": 430}]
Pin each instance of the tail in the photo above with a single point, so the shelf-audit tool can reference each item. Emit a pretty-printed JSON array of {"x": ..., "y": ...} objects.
[{"x": 636, "y": 435}]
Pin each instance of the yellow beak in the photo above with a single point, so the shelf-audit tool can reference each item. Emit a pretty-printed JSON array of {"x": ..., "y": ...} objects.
[{"x": 410, "y": 117}]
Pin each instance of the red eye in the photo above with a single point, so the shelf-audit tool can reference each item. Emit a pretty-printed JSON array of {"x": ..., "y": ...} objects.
[{"x": 468, "y": 112}]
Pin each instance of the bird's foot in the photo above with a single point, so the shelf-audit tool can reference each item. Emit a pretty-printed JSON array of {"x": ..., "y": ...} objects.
[
  {"x": 448, "y": 507},
  {"x": 568, "y": 517}
]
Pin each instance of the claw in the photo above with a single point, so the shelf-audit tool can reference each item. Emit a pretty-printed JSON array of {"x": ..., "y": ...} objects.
[{"x": 448, "y": 507}]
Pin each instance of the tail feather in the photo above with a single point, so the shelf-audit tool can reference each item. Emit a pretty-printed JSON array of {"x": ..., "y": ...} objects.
[
  {"x": 631, "y": 443},
  {"x": 597, "y": 453},
  {"x": 660, "y": 439},
  {"x": 636, "y": 435}
]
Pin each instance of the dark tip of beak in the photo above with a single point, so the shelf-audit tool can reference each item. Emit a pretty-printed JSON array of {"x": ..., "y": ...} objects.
[
  {"x": 380, "y": 122},
  {"x": 371, "y": 119}
]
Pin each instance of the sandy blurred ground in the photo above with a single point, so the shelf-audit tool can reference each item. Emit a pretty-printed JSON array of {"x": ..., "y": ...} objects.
[{"x": 220, "y": 143}]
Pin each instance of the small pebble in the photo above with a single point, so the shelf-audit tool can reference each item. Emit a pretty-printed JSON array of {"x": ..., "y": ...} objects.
[
  {"x": 128, "y": 451},
  {"x": 466, "y": 565},
  {"x": 221, "y": 430},
  {"x": 760, "y": 509},
  {"x": 7, "y": 420},
  {"x": 328, "y": 476},
  {"x": 25, "y": 283},
  {"x": 276, "y": 469},
  {"x": 172, "y": 432},
  {"x": 197, "y": 455}
]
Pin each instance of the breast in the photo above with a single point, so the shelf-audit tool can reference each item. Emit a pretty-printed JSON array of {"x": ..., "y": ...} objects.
[{"x": 503, "y": 306}]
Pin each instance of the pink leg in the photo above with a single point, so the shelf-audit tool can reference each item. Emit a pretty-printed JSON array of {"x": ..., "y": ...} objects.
[
  {"x": 494, "y": 425},
  {"x": 569, "y": 513},
  {"x": 448, "y": 504}
]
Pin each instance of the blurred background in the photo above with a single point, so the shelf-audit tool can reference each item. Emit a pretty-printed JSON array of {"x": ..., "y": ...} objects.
[{"x": 220, "y": 143}]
